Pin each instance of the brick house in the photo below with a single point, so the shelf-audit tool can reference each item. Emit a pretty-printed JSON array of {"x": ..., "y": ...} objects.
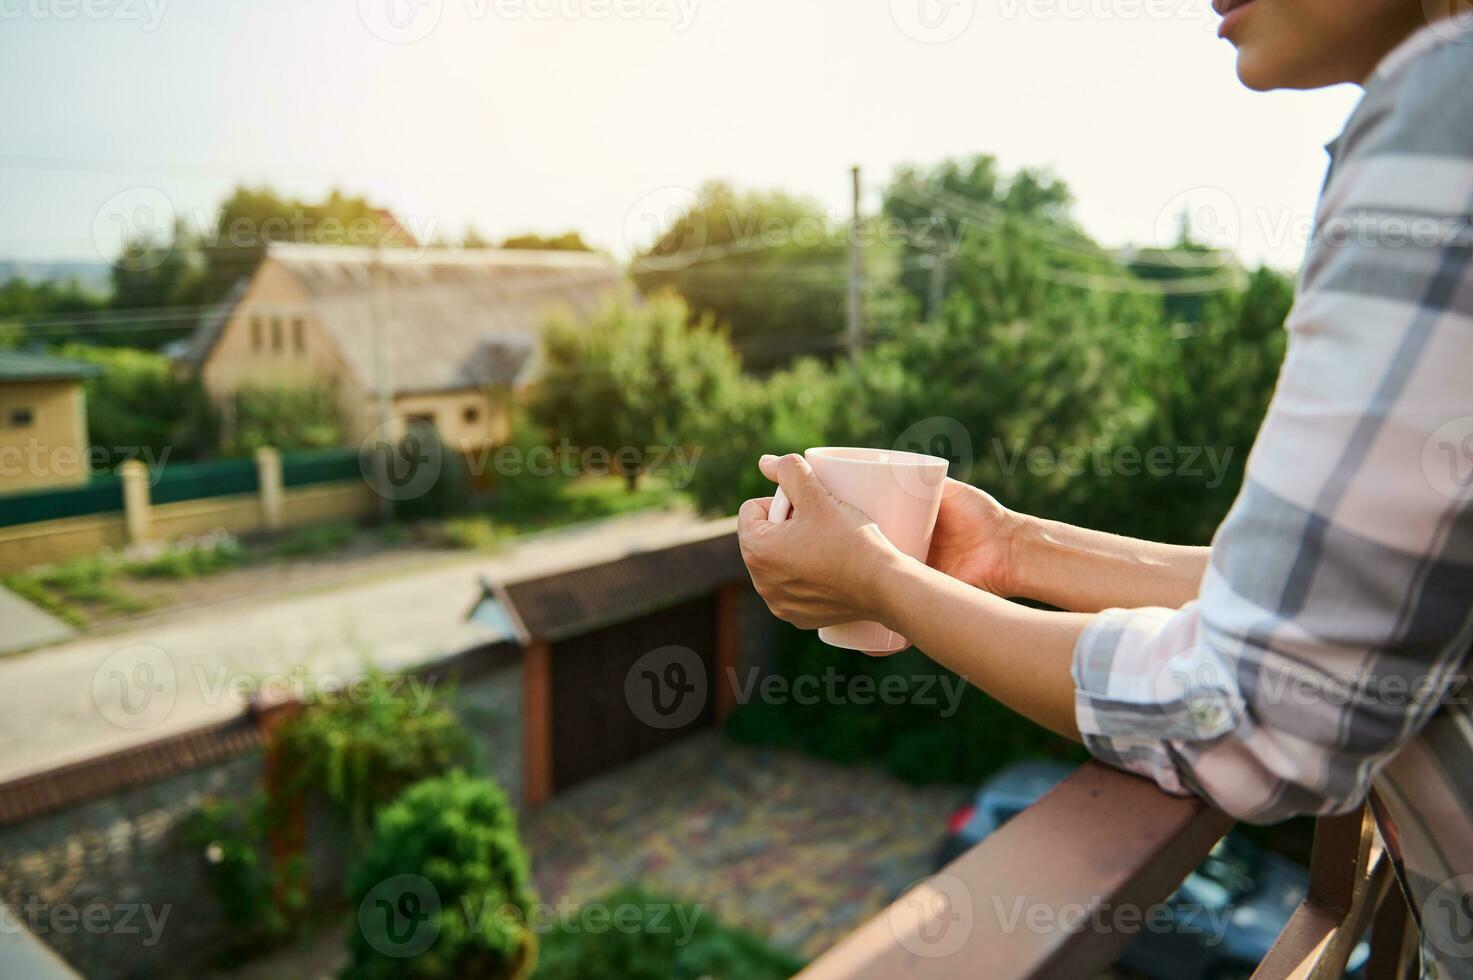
[{"x": 436, "y": 330}]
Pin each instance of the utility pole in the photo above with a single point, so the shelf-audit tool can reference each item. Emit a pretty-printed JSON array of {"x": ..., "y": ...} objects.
[
  {"x": 388, "y": 443},
  {"x": 938, "y": 286},
  {"x": 856, "y": 281}
]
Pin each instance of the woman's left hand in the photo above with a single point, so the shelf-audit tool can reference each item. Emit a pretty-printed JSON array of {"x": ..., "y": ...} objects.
[{"x": 822, "y": 565}]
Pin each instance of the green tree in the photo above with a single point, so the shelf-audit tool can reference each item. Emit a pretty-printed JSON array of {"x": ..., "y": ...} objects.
[
  {"x": 567, "y": 242},
  {"x": 771, "y": 267},
  {"x": 140, "y": 404},
  {"x": 286, "y": 417},
  {"x": 634, "y": 378}
]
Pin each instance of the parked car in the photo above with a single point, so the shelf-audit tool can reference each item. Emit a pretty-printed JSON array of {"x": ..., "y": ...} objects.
[{"x": 1222, "y": 918}]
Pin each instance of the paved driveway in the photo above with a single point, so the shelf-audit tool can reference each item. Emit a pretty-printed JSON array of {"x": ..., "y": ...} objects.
[{"x": 83, "y": 697}]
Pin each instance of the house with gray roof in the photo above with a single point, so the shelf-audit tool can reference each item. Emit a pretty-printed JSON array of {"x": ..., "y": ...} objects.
[{"x": 435, "y": 333}]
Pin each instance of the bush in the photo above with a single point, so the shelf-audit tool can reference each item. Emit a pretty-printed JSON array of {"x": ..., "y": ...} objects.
[
  {"x": 304, "y": 416},
  {"x": 308, "y": 541},
  {"x": 190, "y": 559},
  {"x": 659, "y": 948},
  {"x": 232, "y": 836},
  {"x": 361, "y": 751},
  {"x": 459, "y": 835},
  {"x": 141, "y": 403},
  {"x": 945, "y": 731}
]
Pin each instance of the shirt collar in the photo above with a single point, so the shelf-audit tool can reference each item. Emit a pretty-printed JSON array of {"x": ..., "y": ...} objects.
[{"x": 1457, "y": 29}]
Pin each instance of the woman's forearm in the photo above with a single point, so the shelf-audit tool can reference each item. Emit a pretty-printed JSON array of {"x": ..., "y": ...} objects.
[
  {"x": 1086, "y": 571},
  {"x": 1018, "y": 655}
]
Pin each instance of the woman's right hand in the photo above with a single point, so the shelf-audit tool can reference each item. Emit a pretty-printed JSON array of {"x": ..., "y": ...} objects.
[{"x": 975, "y": 539}]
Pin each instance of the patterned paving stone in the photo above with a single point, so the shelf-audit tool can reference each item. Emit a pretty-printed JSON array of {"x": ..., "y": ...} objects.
[{"x": 788, "y": 846}]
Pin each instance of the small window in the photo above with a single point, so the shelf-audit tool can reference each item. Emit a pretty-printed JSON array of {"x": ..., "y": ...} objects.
[
  {"x": 276, "y": 340},
  {"x": 22, "y": 418},
  {"x": 256, "y": 333},
  {"x": 472, "y": 415},
  {"x": 299, "y": 335}
]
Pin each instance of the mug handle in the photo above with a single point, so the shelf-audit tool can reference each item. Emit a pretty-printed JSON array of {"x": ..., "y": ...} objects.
[{"x": 781, "y": 507}]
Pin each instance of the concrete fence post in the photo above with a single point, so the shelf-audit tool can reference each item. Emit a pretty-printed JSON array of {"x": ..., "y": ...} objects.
[
  {"x": 137, "y": 508},
  {"x": 268, "y": 478}
]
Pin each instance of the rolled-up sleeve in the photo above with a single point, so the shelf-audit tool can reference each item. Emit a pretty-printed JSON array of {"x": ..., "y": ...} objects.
[{"x": 1334, "y": 618}]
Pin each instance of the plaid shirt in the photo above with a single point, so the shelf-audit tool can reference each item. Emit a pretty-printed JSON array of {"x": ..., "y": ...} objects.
[{"x": 1326, "y": 652}]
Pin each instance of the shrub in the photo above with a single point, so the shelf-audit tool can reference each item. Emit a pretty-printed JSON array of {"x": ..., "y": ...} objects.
[
  {"x": 139, "y": 402},
  {"x": 288, "y": 418},
  {"x": 308, "y": 541},
  {"x": 671, "y": 941},
  {"x": 232, "y": 836},
  {"x": 459, "y": 835},
  {"x": 361, "y": 751}
]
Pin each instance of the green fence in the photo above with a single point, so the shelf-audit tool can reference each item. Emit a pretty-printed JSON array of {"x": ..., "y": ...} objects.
[
  {"x": 101, "y": 495},
  {"x": 198, "y": 481},
  {"x": 319, "y": 466}
]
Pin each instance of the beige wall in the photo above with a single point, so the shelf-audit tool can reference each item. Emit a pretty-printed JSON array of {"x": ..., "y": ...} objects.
[
  {"x": 46, "y": 542},
  {"x": 467, "y": 420},
  {"x": 52, "y": 450}
]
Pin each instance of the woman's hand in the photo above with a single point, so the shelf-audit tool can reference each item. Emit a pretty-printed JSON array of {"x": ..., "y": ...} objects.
[
  {"x": 975, "y": 539},
  {"x": 820, "y": 566}
]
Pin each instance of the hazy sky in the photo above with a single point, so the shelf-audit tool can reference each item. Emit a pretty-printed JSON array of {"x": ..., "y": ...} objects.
[{"x": 549, "y": 115}]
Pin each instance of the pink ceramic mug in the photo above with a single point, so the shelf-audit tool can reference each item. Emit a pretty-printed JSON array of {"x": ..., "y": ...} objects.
[{"x": 901, "y": 492}]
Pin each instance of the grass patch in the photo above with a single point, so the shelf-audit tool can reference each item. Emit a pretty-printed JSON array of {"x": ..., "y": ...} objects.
[
  {"x": 476, "y": 533},
  {"x": 190, "y": 561},
  {"x": 310, "y": 542},
  {"x": 671, "y": 941},
  {"x": 72, "y": 588},
  {"x": 528, "y": 505}
]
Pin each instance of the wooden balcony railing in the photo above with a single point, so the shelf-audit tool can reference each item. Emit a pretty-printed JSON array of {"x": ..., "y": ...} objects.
[{"x": 1061, "y": 889}]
